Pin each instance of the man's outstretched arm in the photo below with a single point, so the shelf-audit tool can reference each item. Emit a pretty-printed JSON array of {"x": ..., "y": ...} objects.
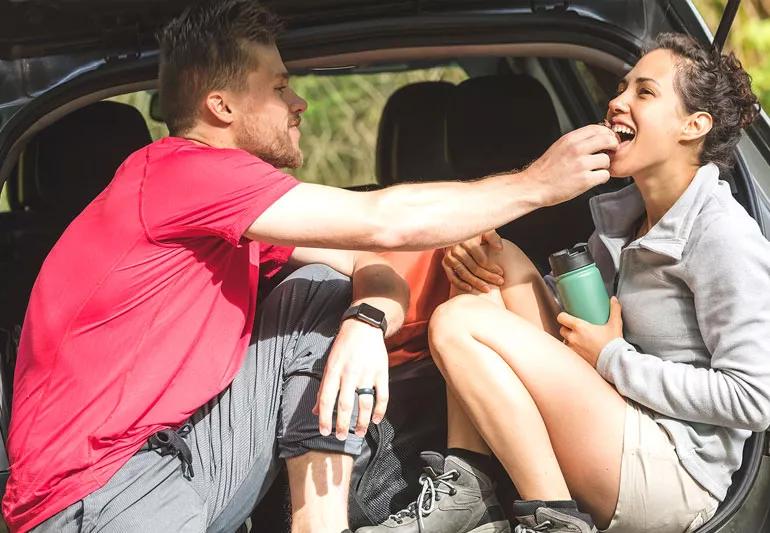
[{"x": 433, "y": 215}]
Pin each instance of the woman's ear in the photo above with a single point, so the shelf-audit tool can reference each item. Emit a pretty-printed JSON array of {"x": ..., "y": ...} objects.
[
  {"x": 217, "y": 105},
  {"x": 696, "y": 126}
]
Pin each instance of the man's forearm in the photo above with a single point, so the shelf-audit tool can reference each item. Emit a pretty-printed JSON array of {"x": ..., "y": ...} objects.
[
  {"x": 440, "y": 214},
  {"x": 376, "y": 283}
]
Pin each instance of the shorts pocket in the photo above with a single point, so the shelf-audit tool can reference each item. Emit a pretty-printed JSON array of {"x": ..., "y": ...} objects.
[{"x": 702, "y": 517}]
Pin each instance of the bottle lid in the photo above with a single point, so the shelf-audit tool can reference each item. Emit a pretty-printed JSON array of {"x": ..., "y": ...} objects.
[{"x": 570, "y": 259}]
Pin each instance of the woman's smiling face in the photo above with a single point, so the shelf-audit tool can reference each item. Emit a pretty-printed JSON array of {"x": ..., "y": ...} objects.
[{"x": 648, "y": 116}]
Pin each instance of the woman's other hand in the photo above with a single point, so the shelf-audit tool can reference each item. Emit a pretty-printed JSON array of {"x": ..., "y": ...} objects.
[
  {"x": 587, "y": 339},
  {"x": 468, "y": 265}
]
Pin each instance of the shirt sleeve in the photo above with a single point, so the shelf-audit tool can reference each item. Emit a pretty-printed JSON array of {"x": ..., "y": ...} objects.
[
  {"x": 729, "y": 276},
  {"x": 272, "y": 259},
  {"x": 205, "y": 191}
]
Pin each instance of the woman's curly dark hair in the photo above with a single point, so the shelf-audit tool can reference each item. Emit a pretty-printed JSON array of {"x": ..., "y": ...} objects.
[{"x": 716, "y": 83}]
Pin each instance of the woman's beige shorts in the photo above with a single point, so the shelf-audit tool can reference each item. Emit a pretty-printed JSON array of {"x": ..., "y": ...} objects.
[{"x": 656, "y": 492}]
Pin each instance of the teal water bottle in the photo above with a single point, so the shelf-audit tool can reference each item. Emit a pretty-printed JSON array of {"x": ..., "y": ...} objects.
[{"x": 579, "y": 284}]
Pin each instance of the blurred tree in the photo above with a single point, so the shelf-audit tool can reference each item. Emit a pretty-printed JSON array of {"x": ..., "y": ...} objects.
[
  {"x": 339, "y": 129},
  {"x": 749, "y": 38}
]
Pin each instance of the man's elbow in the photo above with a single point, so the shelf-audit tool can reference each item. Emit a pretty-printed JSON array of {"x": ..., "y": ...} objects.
[
  {"x": 387, "y": 232},
  {"x": 390, "y": 238},
  {"x": 392, "y": 225}
]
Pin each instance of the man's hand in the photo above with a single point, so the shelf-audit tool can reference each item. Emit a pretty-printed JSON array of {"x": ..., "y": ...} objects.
[
  {"x": 573, "y": 164},
  {"x": 468, "y": 265},
  {"x": 358, "y": 359},
  {"x": 588, "y": 339}
]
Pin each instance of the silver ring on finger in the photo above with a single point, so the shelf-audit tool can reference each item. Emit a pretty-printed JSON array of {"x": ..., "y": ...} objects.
[{"x": 365, "y": 390}]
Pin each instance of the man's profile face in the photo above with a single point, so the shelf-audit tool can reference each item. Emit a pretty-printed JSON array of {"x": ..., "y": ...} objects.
[{"x": 268, "y": 113}]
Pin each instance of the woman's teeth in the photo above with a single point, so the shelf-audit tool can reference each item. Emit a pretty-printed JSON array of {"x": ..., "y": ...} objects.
[{"x": 624, "y": 132}]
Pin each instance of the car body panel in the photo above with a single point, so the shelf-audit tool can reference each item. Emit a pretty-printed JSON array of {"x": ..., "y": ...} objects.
[{"x": 35, "y": 27}]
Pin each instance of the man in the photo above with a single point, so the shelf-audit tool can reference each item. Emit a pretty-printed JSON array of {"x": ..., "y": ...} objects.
[{"x": 139, "y": 403}]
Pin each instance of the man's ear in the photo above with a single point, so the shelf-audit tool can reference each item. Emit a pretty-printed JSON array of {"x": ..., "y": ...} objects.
[
  {"x": 217, "y": 104},
  {"x": 696, "y": 126}
]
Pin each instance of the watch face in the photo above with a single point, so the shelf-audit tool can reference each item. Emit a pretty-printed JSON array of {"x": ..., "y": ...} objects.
[{"x": 371, "y": 313}]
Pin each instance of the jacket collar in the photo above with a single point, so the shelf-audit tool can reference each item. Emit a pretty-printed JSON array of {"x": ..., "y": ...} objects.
[{"x": 616, "y": 214}]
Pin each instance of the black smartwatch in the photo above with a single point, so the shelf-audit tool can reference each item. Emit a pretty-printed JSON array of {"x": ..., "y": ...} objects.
[{"x": 369, "y": 314}]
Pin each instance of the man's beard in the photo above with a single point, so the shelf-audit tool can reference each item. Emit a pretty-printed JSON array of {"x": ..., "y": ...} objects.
[{"x": 272, "y": 145}]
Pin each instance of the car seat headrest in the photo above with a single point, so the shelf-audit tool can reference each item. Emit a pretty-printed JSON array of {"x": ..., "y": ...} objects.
[
  {"x": 412, "y": 138},
  {"x": 69, "y": 163},
  {"x": 499, "y": 123}
]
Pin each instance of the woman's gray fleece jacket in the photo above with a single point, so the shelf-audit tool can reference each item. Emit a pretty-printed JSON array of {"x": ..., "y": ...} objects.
[{"x": 695, "y": 292}]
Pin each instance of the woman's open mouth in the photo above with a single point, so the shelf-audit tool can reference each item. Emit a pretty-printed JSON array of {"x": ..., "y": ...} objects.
[{"x": 625, "y": 134}]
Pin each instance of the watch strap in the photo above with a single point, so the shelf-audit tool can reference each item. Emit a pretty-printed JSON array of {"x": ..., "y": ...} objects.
[{"x": 368, "y": 314}]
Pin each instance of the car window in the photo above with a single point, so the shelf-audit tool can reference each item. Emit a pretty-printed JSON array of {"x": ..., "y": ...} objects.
[
  {"x": 579, "y": 91},
  {"x": 4, "y": 205},
  {"x": 141, "y": 101},
  {"x": 339, "y": 129},
  {"x": 599, "y": 83}
]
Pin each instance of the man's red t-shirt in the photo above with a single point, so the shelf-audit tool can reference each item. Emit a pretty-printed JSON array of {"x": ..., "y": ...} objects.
[{"x": 141, "y": 314}]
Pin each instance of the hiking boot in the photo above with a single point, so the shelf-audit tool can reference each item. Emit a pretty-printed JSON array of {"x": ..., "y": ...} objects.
[
  {"x": 455, "y": 498},
  {"x": 536, "y": 516}
]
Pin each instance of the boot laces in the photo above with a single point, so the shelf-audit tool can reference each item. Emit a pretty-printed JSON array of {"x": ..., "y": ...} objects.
[
  {"x": 542, "y": 526},
  {"x": 433, "y": 486}
]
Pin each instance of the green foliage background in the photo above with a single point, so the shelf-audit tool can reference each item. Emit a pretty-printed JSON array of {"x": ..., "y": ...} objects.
[
  {"x": 339, "y": 128},
  {"x": 749, "y": 38}
]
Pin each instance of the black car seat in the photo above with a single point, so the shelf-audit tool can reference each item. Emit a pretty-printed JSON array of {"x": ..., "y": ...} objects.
[
  {"x": 504, "y": 122},
  {"x": 61, "y": 170},
  {"x": 412, "y": 137},
  {"x": 411, "y": 146}
]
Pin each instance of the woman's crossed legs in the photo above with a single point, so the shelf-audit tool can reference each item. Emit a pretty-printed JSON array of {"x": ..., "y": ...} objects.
[{"x": 554, "y": 423}]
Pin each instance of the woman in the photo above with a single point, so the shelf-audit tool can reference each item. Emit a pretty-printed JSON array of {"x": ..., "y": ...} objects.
[{"x": 640, "y": 421}]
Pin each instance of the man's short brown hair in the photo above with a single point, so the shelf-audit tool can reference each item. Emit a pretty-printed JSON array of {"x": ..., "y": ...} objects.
[{"x": 207, "y": 48}]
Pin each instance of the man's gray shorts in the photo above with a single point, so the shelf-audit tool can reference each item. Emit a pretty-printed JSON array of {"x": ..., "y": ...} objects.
[{"x": 238, "y": 437}]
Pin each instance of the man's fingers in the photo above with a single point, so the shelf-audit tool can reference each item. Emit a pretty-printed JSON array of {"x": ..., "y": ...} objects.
[
  {"x": 596, "y": 177},
  {"x": 592, "y": 130},
  {"x": 345, "y": 401},
  {"x": 381, "y": 385},
  {"x": 565, "y": 334},
  {"x": 327, "y": 397},
  {"x": 328, "y": 391},
  {"x": 598, "y": 161},
  {"x": 365, "y": 405},
  {"x": 598, "y": 143}
]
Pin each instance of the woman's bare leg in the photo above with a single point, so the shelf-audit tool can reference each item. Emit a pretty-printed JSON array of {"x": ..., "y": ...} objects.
[
  {"x": 549, "y": 417},
  {"x": 524, "y": 293},
  {"x": 461, "y": 433}
]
